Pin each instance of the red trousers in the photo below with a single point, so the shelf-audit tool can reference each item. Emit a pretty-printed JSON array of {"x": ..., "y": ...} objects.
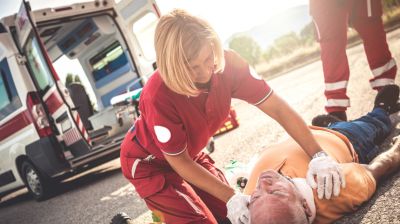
[
  {"x": 166, "y": 194},
  {"x": 331, "y": 18}
]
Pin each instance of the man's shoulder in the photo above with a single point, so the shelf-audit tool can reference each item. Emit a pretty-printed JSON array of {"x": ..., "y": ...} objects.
[
  {"x": 360, "y": 186},
  {"x": 335, "y": 144}
]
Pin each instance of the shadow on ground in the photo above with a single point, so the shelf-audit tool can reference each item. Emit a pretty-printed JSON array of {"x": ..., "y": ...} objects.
[{"x": 74, "y": 183}]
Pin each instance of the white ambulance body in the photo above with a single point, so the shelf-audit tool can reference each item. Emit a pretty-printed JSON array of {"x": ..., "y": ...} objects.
[{"x": 49, "y": 131}]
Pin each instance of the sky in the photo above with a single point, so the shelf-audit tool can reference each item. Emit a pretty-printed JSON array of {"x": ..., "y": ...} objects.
[
  {"x": 232, "y": 16},
  {"x": 226, "y": 16}
]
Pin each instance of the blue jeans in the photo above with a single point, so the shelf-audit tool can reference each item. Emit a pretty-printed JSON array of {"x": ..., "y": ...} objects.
[{"x": 366, "y": 133}]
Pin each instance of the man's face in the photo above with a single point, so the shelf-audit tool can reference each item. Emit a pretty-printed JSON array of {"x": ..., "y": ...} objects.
[
  {"x": 273, "y": 187},
  {"x": 276, "y": 196}
]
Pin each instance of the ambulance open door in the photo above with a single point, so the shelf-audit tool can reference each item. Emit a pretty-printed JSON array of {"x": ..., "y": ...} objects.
[
  {"x": 140, "y": 20},
  {"x": 51, "y": 96}
]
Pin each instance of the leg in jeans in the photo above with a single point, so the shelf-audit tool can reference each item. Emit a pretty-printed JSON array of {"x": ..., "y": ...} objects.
[{"x": 366, "y": 133}]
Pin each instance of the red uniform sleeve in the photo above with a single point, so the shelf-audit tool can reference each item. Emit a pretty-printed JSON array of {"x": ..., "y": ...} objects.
[
  {"x": 165, "y": 126},
  {"x": 246, "y": 84}
]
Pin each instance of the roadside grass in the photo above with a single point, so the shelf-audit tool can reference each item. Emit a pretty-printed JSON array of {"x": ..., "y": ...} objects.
[
  {"x": 311, "y": 53},
  {"x": 297, "y": 58}
]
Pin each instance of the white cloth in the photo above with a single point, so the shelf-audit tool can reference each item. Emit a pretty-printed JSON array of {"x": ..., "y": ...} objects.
[
  {"x": 307, "y": 193},
  {"x": 238, "y": 211}
]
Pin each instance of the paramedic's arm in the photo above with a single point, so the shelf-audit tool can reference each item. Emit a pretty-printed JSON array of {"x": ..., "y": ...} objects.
[
  {"x": 290, "y": 120},
  {"x": 195, "y": 174}
]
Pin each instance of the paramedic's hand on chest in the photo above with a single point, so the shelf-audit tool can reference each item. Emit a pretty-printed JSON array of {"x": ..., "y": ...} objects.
[{"x": 328, "y": 174}]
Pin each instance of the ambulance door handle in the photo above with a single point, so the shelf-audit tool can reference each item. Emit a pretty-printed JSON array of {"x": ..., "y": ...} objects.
[
  {"x": 21, "y": 60},
  {"x": 62, "y": 117}
]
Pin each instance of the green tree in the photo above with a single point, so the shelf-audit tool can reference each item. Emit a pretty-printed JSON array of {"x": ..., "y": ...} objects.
[
  {"x": 271, "y": 53},
  {"x": 77, "y": 79},
  {"x": 287, "y": 43},
  {"x": 69, "y": 79},
  {"x": 247, "y": 47},
  {"x": 390, "y": 5}
]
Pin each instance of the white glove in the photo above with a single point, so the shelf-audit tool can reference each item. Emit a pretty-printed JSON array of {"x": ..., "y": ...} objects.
[
  {"x": 329, "y": 175},
  {"x": 238, "y": 211}
]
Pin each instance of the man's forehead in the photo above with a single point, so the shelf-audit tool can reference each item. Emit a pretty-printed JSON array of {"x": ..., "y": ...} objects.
[{"x": 273, "y": 208}]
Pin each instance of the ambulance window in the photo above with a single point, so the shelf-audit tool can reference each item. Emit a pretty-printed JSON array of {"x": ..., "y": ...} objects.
[
  {"x": 4, "y": 92},
  {"x": 144, "y": 29},
  {"x": 109, "y": 60},
  {"x": 2, "y": 29},
  {"x": 37, "y": 65},
  {"x": 9, "y": 99}
]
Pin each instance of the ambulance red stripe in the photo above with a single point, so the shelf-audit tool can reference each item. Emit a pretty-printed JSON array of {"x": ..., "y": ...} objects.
[
  {"x": 54, "y": 102},
  {"x": 17, "y": 123}
]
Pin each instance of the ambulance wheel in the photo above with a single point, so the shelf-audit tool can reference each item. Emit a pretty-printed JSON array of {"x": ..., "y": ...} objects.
[
  {"x": 38, "y": 185},
  {"x": 121, "y": 218}
]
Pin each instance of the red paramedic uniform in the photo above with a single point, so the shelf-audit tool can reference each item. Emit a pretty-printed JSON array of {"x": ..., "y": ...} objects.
[
  {"x": 331, "y": 19},
  {"x": 171, "y": 123}
]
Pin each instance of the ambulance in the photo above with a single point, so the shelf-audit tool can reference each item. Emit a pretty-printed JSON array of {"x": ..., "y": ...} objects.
[{"x": 50, "y": 131}]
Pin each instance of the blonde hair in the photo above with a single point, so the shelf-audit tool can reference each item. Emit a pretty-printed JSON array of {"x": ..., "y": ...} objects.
[{"x": 179, "y": 37}]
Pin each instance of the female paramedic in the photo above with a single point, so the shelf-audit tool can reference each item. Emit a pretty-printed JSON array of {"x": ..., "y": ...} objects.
[{"x": 182, "y": 105}]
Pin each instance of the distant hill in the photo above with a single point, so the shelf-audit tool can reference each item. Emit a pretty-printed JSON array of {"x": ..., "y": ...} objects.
[{"x": 293, "y": 19}]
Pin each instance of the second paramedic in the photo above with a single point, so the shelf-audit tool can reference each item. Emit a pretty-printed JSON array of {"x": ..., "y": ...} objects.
[
  {"x": 182, "y": 105},
  {"x": 331, "y": 19}
]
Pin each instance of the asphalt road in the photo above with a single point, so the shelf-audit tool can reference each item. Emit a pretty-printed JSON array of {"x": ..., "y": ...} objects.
[{"x": 98, "y": 194}]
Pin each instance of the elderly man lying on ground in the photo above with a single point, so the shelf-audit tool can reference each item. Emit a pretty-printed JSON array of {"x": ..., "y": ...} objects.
[{"x": 279, "y": 192}]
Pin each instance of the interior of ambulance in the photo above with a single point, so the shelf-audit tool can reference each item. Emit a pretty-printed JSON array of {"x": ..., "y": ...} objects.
[{"x": 105, "y": 66}]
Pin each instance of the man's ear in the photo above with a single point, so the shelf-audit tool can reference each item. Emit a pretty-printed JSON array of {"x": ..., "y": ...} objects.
[{"x": 307, "y": 209}]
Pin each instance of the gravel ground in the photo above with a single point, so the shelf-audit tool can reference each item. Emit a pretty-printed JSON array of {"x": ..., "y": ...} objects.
[
  {"x": 303, "y": 89},
  {"x": 97, "y": 195}
]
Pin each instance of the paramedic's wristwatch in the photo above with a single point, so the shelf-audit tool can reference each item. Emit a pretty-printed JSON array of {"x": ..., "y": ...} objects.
[{"x": 320, "y": 154}]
